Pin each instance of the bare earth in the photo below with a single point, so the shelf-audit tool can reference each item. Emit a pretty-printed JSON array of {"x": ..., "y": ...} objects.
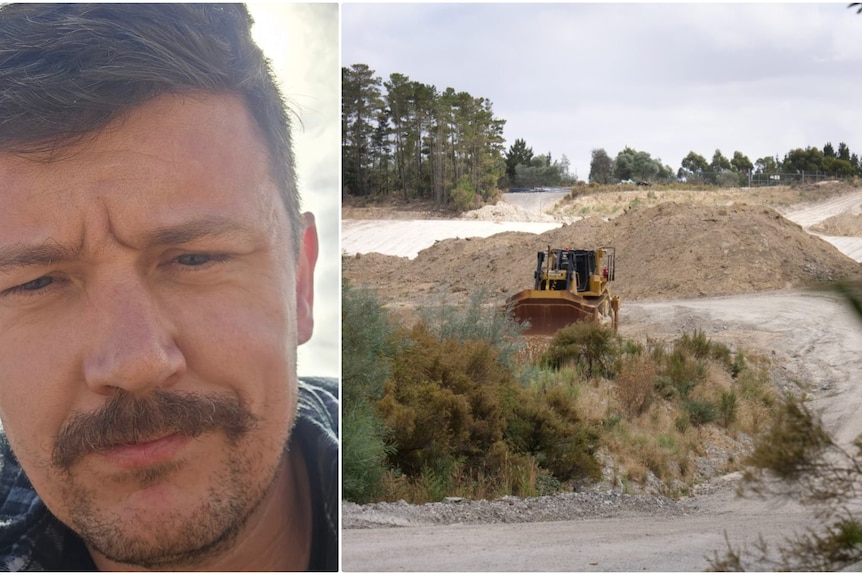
[{"x": 746, "y": 273}]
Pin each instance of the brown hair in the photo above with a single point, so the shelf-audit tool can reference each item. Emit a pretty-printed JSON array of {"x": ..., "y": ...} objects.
[{"x": 67, "y": 70}]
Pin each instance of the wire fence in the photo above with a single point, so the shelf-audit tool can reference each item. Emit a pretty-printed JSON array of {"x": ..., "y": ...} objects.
[
  {"x": 753, "y": 180},
  {"x": 785, "y": 178}
]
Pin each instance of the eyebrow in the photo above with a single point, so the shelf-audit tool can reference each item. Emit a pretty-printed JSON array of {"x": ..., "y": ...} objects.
[
  {"x": 18, "y": 256},
  {"x": 196, "y": 229}
]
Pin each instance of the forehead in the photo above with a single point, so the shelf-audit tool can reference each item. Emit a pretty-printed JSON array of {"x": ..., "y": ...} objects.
[{"x": 172, "y": 158}]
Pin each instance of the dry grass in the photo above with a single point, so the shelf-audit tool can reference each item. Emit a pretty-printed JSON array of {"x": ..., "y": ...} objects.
[
  {"x": 532, "y": 349},
  {"x": 653, "y": 443},
  {"x": 649, "y": 432},
  {"x": 611, "y": 201},
  {"x": 635, "y": 384},
  {"x": 517, "y": 475}
]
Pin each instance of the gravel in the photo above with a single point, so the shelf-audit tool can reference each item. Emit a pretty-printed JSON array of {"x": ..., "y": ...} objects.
[{"x": 510, "y": 509}]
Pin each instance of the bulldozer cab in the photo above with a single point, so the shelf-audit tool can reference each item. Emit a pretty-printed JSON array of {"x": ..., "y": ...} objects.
[{"x": 575, "y": 271}]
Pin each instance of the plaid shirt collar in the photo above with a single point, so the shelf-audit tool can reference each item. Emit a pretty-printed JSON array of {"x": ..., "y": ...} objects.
[{"x": 32, "y": 539}]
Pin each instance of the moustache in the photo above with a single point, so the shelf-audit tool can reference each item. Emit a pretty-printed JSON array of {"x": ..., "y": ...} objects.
[{"x": 127, "y": 420}]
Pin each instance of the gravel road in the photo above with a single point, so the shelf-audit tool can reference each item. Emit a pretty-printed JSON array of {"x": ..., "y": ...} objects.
[
  {"x": 812, "y": 337},
  {"x": 620, "y": 533}
]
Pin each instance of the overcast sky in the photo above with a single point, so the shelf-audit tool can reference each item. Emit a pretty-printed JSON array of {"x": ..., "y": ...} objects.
[
  {"x": 662, "y": 78},
  {"x": 301, "y": 40}
]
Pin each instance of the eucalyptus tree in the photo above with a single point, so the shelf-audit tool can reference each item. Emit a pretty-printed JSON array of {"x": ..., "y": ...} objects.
[
  {"x": 601, "y": 167},
  {"x": 694, "y": 167}
]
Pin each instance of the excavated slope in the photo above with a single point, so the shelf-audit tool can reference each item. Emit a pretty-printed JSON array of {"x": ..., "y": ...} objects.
[
  {"x": 845, "y": 224},
  {"x": 666, "y": 251}
]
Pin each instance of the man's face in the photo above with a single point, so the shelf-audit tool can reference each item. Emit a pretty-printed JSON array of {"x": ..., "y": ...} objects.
[{"x": 150, "y": 307}]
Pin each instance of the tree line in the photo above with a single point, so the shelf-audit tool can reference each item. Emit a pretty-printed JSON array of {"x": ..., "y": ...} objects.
[
  {"x": 738, "y": 170},
  {"x": 405, "y": 139}
]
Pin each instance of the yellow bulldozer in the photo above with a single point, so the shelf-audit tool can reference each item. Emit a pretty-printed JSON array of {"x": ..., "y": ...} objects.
[{"x": 570, "y": 285}]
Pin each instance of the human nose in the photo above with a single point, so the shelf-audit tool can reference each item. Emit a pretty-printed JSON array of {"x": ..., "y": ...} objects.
[{"x": 132, "y": 345}]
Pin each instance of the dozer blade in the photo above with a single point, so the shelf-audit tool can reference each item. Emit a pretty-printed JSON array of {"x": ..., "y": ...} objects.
[{"x": 548, "y": 310}]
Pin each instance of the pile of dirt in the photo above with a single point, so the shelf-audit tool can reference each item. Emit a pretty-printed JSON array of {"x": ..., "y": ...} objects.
[
  {"x": 845, "y": 224},
  {"x": 666, "y": 251},
  {"x": 506, "y": 212}
]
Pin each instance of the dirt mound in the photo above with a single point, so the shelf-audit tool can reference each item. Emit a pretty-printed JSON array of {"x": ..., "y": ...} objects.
[
  {"x": 665, "y": 251},
  {"x": 841, "y": 225},
  {"x": 506, "y": 212}
]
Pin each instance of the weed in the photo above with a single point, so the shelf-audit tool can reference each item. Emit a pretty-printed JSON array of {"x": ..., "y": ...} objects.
[
  {"x": 727, "y": 407},
  {"x": 630, "y": 347},
  {"x": 547, "y": 484},
  {"x": 612, "y": 421},
  {"x": 668, "y": 442},
  {"x": 738, "y": 364},
  {"x": 696, "y": 344},
  {"x": 700, "y": 412},
  {"x": 635, "y": 384}
]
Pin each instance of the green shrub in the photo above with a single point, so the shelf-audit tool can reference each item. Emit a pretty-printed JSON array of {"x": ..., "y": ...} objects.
[
  {"x": 738, "y": 364},
  {"x": 547, "y": 425},
  {"x": 727, "y": 407},
  {"x": 702, "y": 347},
  {"x": 364, "y": 452},
  {"x": 630, "y": 347},
  {"x": 589, "y": 346},
  {"x": 463, "y": 195},
  {"x": 696, "y": 344},
  {"x": 444, "y": 399},
  {"x": 721, "y": 353},
  {"x": 682, "y": 422},
  {"x": 794, "y": 444},
  {"x": 437, "y": 477},
  {"x": 548, "y": 484},
  {"x": 700, "y": 412},
  {"x": 476, "y": 323},
  {"x": 683, "y": 372},
  {"x": 366, "y": 345}
]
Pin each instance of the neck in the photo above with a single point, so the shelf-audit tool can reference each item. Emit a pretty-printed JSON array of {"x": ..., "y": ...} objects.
[{"x": 277, "y": 536}]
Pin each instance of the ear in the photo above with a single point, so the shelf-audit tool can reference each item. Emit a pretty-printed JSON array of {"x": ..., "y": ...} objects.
[{"x": 305, "y": 280}]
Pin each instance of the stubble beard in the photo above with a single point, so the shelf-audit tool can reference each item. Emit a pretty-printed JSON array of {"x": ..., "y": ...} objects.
[
  {"x": 181, "y": 539},
  {"x": 244, "y": 471}
]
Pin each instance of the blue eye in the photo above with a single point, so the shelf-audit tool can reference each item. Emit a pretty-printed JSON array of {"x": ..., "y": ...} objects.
[
  {"x": 194, "y": 259},
  {"x": 32, "y": 286},
  {"x": 198, "y": 260}
]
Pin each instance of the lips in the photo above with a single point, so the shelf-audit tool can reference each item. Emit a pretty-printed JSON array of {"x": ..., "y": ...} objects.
[{"x": 147, "y": 453}]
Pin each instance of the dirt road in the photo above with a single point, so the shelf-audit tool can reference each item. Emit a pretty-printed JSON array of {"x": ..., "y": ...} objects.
[
  {"x": 812, "y": 337},
  {"x": 630, "y": 543},
  {"x": 808, "y": 216}
]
